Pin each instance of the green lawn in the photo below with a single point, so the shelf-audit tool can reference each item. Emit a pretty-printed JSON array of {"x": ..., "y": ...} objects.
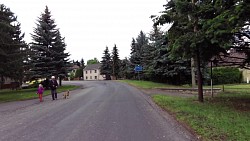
[{"x": 25, "y": 94}]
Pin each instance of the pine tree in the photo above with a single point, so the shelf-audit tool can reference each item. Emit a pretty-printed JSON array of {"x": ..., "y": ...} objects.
[
  {"x": 60, "y": 58},
  {"x": 134, "y": 55},
  {"x": 48, "y": 47},
  {"x": 137, "y": 48},
  {"x": 147, "y": 60},
  {"x": 115, "y": 62},
  {"x": 106, "y": 67},
  {"x": 160, "y": 59},
  {"x": 185, "y": 37},
  {"x": 82, "y": 63},
  {"x": 203, "y": 29},
  {"x": 12, "y": 47},
  {"x": 125, "y": 70},
  {"x": 20, "y": 55}
]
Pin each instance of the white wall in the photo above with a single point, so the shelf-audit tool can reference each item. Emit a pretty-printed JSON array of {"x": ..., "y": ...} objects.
[{"x": 92, "y": 75}]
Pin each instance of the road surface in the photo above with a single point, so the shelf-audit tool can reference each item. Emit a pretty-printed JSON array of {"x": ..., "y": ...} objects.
[{"x": 99, "y": 111}]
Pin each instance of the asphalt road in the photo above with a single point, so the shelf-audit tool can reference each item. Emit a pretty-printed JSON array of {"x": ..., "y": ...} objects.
[{"x": 100, "y": 111}]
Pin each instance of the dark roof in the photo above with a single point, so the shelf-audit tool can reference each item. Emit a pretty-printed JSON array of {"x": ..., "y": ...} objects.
[
  {"x": 75, "y": 67},
  {"x": 232, "y": 58},
  {"x": 92, "y": 67}
]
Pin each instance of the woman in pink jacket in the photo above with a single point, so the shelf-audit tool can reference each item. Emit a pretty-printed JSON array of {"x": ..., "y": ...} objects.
[{"x": 40, "y": 92}]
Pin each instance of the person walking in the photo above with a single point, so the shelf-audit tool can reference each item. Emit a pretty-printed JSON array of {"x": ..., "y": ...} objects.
[
  {"x": 40, "y": 92},
  {"x": 53, "y": 86}
]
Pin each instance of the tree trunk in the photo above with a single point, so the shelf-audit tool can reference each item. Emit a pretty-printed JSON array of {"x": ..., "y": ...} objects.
[
  {"x": 1, "y": 82},
  {"x": 199, "y": 77},
  {"x": 193, "y": 72},
  {"x": 198, "y": 61},
  {"x": 60, "y": 81}
]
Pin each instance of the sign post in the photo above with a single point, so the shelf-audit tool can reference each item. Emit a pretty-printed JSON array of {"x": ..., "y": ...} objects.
[{"x": 138, "y": 69}]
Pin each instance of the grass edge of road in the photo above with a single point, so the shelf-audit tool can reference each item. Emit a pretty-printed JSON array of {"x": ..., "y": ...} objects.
[
  {"x": 149, "y": 84},
  {"x": 212, "y": 120},
  {"x": 223, "y": 117},
  {"x": 27, "y": 94}
]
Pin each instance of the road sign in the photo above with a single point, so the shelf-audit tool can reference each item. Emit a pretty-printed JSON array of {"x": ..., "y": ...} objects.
[{"x": 138, "y": 68}]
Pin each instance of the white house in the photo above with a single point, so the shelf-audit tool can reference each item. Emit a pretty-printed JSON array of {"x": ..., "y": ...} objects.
[{"x": 92, "y": 72}]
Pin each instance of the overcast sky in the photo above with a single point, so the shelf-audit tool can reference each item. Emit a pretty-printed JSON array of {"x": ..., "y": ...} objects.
[{"x": 90, "y": 25}]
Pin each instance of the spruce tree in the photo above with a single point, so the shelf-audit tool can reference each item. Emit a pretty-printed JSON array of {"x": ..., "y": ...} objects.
[
  {"x": 48, "y": 47},
  {"x": 147, "y": 60},
  {"x": 60, "y": 58},
  {"x": 137, "y": 48},
  {"x": 12, "y": 47},
  {"x": 134, "y": 55},
  {"x": 82, "y": 63},
  {"x": 115, "y": 62},
  {"x": 106, "y": 66}
]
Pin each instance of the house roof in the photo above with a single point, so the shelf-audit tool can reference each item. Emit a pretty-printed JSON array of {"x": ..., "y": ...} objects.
[
  {"x": 75, "y": 67},
  {"x": 232, "y": 58},
  {"x": 92, "y": 67}
]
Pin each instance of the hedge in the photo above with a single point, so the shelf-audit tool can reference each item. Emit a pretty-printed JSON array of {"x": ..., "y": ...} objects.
[{"x": 226, "y": 75}]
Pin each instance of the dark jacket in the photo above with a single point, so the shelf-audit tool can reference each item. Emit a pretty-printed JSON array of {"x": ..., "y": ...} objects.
[{"x": 53, "y": 84}]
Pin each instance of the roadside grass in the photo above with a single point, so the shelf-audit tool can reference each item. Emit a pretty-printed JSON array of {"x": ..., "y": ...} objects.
[
  {"x": 235, "y": 86},
  {"x": 150, "y": 85},
  {"x": 25, "y": 94},
  {"x": 224, "y": 117}
]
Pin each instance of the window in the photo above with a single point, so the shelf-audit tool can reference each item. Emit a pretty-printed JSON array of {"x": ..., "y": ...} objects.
[
  {"x": 90, "y": 77},
  {"x": 86, "y": 72},
  {"x": 95, "y": 77},
  {"x": 95, "y": 71},
  {"x": 86, "y": 77},
  {"x": 90, "y": 71}
]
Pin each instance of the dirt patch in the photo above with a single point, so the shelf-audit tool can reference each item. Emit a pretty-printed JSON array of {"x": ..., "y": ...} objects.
[{"x": 171, "y": 93}]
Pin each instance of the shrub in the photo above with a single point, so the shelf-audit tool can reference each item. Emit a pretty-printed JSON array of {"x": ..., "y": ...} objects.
[{"x": 226, "y": 75}]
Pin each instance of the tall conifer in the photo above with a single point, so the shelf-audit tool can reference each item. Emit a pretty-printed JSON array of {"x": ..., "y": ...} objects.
[{"x": 48, "y": 47}]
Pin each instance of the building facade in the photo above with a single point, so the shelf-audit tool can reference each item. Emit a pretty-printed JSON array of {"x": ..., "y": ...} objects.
[{"x": 92, "y": 72}]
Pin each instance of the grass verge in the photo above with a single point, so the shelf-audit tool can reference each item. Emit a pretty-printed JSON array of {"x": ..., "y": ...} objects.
[
  {"x": 221, "y": 118},
  {"x": 224, "y": 117},
  {"x": 149, "y": 84},
  {"x": 25, "y": 94}
]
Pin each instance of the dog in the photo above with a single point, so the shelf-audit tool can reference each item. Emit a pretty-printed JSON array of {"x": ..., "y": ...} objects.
[{"x": 66, "y": 95}]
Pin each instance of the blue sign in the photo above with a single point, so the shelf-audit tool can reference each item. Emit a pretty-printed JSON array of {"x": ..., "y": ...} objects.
[{"x": 138, "y": 68}]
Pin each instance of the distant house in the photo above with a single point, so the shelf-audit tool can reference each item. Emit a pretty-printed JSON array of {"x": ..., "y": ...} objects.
[
  {"x": 72, "y": 72},
  {"x": 234, "y": 59},
  {"x": 74, "y": 69},
  {"x": 9, "y": 83},
  {"x": 92, "y": 72}
]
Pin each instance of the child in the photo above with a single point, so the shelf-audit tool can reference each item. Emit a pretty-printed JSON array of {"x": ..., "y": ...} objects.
[{"x": 40, "y": 92}]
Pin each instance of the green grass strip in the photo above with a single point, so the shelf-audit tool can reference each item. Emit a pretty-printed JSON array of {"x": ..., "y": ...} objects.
[
  {"x": 213, "y": 120},
  {"x": 149, "y": 84},
  {"x": 25, "y": 94}
]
